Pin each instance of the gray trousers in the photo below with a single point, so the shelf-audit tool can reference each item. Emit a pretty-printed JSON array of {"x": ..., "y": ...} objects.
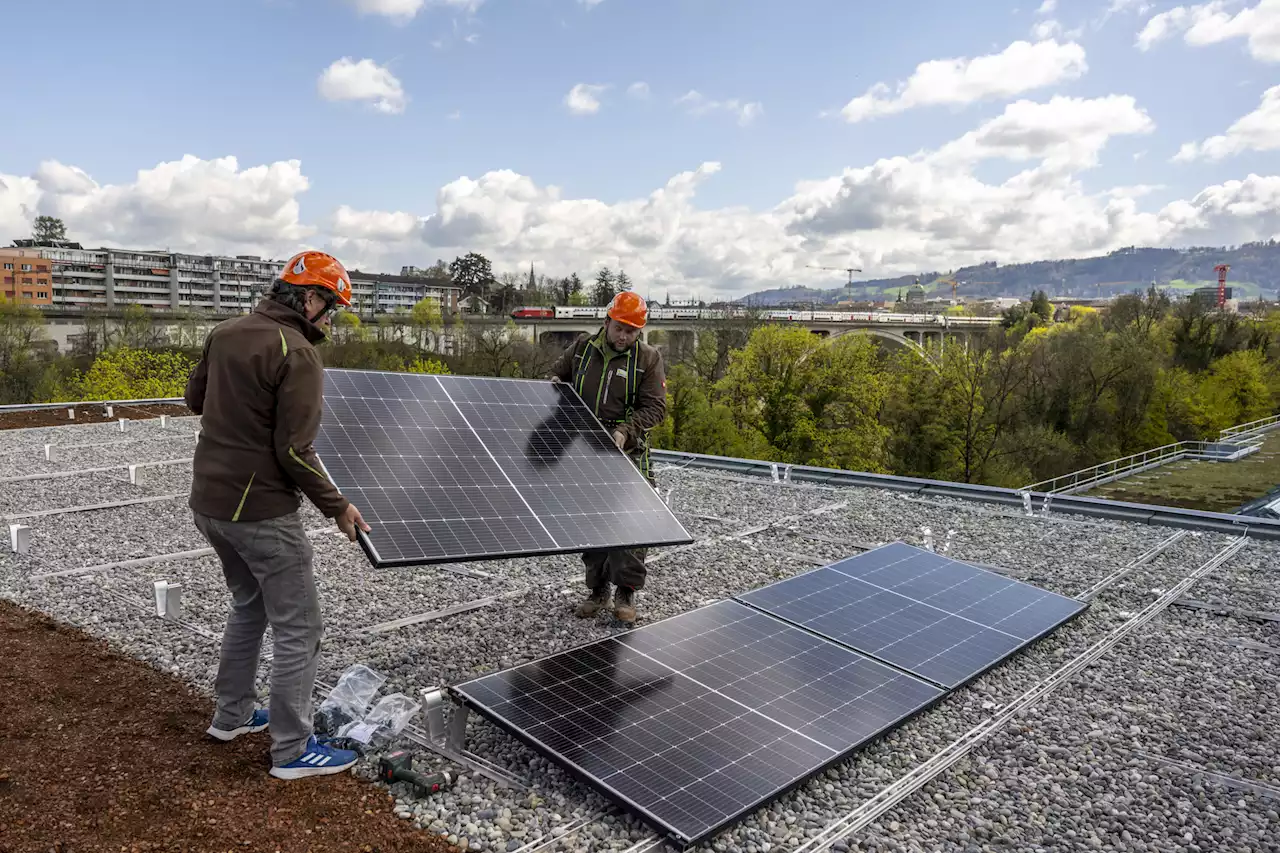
[
  {"x": 267, "y": 565},
  {"x": 620, "y": 567}
]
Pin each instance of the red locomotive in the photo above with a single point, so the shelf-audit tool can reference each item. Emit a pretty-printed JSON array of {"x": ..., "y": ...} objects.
[{"x": 534, "y": 313}]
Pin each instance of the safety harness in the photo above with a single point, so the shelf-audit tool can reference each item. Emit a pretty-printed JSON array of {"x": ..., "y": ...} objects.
[{"x": 582, "y": 361}]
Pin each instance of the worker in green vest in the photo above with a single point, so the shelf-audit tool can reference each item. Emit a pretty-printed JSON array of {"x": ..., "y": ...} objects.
[{"x": 623, "y": 380}]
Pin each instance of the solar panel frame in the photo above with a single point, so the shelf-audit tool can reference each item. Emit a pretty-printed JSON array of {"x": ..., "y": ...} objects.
[
  {"x": 462, "y": 693},
  {"x": 506, "y": 511},
  {"x": 955, "y": 684}
]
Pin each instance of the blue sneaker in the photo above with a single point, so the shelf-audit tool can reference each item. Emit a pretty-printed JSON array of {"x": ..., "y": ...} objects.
[
  {"x": 255, "y": 723},
  {"x": 317, "y": 760}
]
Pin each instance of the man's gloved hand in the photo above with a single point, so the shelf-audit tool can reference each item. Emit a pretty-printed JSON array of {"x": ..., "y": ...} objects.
[
  {"x": 555, "y": 380},
  {"x": 620, "y": 439},
  {"x": 350, "y": 520}
]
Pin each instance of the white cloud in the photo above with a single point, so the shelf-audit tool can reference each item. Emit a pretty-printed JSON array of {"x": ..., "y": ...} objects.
[
  {"x": 584, "y": 98},
  {"x": 1117, "y": 7},
  {"x": 1065, "y": 133},
  {"x": 1020, "y": 67},
  {"x": 1257, "y": 131},
  {"x": 18, "y": 199},
  {"x": 893, "y": 216},
  {"x": 365, "y": 80},
  {"x": 403, "y": 11},
  {"x": 1046, "y": 29},
  {"x": 1211, "y": 23},
  {"x": 190, "y": 205},
  {"x": 700, "y": 105},
  {"x": 639, "y": 89},
  {"x": 1047, "y": 7}
]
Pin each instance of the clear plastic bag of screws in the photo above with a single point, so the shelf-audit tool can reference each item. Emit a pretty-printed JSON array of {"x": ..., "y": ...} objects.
[
  {"x": 383, "y": 722},
  {"x": 348, "y": 701}
]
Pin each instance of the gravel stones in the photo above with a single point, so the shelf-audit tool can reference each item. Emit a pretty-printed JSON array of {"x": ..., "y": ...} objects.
[{"x": 1068, "y": 774}]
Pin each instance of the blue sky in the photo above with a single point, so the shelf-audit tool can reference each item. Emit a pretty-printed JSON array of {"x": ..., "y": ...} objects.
[{"x": 122, "y": 87}]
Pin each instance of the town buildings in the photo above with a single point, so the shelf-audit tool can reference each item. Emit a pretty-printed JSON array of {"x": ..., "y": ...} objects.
[
  {"x": 76, "y": 279},
  {"x": 25, "y": 277}
]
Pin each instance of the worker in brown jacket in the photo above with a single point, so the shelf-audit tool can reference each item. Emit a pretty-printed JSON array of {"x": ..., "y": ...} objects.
[
  {"x": 259, "y": 391},
  {"x": 623, "y": 381}
]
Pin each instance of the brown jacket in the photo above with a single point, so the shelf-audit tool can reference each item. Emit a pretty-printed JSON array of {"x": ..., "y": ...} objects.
[
  {"x": 603, "y": 378},
  {"x": 259, "y": 388}
]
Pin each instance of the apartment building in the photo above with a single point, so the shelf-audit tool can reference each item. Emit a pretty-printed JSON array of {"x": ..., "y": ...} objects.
[
  {"x": 379, "y": 293},
  {"x": 77, "y": 278},
  {"x": 25, "y": 277},
  {"x": 113, "y": 278}
]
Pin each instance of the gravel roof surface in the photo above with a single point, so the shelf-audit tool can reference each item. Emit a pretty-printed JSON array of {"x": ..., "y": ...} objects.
[{"x": 1123, "y": 757}]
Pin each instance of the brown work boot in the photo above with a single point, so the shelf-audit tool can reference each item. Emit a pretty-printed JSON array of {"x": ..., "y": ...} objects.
[
  {"x": 591, "y": 605},
  {"x": 624, "y": 605}
]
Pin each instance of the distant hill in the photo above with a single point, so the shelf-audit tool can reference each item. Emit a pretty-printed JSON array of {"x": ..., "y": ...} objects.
[{"x": 1255, "y": 270}]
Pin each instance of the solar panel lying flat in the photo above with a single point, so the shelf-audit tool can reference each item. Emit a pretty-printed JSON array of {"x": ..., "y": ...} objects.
[
  {"x": 454, "y": 468},
  {"x": 939, "y": 618},
  {"x": 698, "y": 719}
]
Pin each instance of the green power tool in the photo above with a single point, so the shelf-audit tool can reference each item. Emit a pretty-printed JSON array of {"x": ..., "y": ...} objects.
[{"x": 398, "y": 767}]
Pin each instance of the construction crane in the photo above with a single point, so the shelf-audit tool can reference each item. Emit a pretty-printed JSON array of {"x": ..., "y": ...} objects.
[
  {"x": 951, "y": 280},
  {"x": 1221, "y": 270},
  {"x": 849, "y": 270}
]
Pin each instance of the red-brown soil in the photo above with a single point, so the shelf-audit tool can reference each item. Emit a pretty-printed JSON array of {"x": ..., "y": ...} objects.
[
  {"x": 86, "y": 414},
  {"x": 102, "y": 752}
]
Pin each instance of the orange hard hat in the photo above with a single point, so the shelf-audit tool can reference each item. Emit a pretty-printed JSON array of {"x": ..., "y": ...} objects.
[
  {"x": 319, "y": 269},
  {"x": 629, "y": 308}
]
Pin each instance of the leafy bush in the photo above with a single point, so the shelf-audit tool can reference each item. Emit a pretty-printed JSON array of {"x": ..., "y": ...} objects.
[{"x": 134, "y": 374}]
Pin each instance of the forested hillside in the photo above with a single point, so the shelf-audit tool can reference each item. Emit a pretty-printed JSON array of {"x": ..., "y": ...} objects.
[{"x": 1255, "y": 269}]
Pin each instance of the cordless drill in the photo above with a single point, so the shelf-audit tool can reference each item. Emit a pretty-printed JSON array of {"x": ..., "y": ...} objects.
[{"x": 398, "y": 767}]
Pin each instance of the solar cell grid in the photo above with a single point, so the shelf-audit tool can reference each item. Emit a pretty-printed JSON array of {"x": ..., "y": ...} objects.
[
  {"x": 700, "y": 718},
  {"x": 939, "y": 618},
  {"x": 449, "y": 468}
]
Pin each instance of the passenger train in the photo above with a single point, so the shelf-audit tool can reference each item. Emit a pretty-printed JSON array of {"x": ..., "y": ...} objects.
[{"x": 585, "y": 312}]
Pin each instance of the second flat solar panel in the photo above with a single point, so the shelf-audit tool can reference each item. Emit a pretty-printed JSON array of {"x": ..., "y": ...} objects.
[
  {"x": 698, "y": 719},
  {"x": 454, "y": 468},
  {"x": 938, "y": 618}
]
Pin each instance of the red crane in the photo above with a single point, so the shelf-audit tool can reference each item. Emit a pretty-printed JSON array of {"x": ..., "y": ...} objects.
[{"x": 1221, "y": 270}]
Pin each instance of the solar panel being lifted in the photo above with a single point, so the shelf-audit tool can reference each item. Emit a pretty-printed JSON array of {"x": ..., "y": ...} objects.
[
  {"x": 939, "y": 618},
  {"x": 455, "y": 468},
  {"x": 699, "y": 719}
]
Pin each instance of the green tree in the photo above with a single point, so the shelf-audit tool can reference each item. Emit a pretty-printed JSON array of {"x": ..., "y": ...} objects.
[
  {"x": 1041, "y": 306},
  {"x": 135, "y": 328},
  {"x": 473, "y": 273},
  {"x": 622, "y": 282},
  {"x": 806, "y": 400},
  {"x": 427, "y": 321},
  {"x": 1235, "y": 390},
  {"x": 605, "y": 288},
  {"x": 48, "y": 229},
  {"x": 694, "y": 423},
  {"x": 21, "y": 327},
  {"x": 347, "y": 326}
]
